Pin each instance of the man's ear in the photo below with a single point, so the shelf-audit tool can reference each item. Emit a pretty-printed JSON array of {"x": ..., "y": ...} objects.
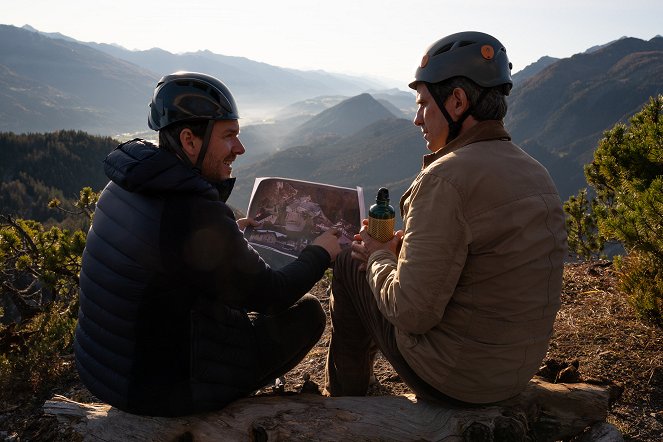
[
  {"x": 460, "y": 101},
  {"x": 189, "y": 145}
]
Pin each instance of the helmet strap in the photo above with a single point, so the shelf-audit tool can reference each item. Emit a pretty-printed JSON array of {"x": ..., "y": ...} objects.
[
  {"x": 175, "y": 147},
  {"x": 203, "y": 148},
  {"x": 455, "y": 126}
]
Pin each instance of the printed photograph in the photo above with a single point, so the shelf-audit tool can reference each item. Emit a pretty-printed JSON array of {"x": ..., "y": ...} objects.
[{"x": 293, "y": 213}]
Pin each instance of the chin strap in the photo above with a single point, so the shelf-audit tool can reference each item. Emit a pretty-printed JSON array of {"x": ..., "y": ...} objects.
[
  {"x": 203, "y": 148},
  {"x": 455, "y": 126},
  {"x": 175, "y": 147}
]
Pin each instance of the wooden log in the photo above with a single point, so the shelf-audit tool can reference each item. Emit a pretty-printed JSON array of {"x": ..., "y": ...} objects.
[
  {"x": 602, "y": 432},
  {"x": 542, "y": 412}
]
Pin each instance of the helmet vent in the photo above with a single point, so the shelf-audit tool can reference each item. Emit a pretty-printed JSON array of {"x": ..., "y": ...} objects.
[
  {"x": 210, "y": 91},
  {"x": 477, "y": 56},
  {"x": 203, "y": 87},
  {"x": 443, "y": 49},
  {"x": 450, "y": 46}
]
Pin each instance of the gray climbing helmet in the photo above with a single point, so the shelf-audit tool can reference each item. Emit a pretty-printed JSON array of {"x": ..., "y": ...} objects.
[{"x": 475, "y": 55}]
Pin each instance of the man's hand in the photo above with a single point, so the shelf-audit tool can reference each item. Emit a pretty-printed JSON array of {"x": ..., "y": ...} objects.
[
  {"x": 364, "y": 245},
  {"x": 243, "y": 222},
  {"x": 329, "y": 241}
]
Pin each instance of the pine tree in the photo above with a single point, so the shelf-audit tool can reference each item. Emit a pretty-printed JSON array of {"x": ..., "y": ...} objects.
[
  {"x": 39, "y": 280},
  {"x": 581, "y": 224},
  {"x": 627, "y": 176}
]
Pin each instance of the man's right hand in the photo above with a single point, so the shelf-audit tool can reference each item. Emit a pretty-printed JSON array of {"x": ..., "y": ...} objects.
[
  {"x": 329, "y": 241},
  {"x": 243, "y": 222}
]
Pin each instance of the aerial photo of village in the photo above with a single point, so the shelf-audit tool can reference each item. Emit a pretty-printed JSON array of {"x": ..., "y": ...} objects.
[{"x": 293, "y": 213}]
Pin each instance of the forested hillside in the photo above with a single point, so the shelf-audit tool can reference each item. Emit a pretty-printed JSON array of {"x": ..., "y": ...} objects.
[{"x": 35, "y": 168}]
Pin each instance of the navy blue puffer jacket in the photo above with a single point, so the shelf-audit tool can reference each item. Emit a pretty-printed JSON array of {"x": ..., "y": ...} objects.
[{"x": 166, "y": 283}]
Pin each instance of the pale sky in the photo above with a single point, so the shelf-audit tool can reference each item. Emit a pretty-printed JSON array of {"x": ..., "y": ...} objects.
[{"x": 379, "y": 38}]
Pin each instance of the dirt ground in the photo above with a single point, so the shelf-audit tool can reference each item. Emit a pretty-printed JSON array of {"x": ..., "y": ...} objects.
[{"x": 595, "y": 329}]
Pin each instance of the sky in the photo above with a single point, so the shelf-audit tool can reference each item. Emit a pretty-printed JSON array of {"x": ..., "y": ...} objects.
[{"x": 384, "y": 39}]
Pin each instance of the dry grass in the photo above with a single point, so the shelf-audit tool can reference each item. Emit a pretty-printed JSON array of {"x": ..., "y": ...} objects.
[{"x": 599, "y": 328}]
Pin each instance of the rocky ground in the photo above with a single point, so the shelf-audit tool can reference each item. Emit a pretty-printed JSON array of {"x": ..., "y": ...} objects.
[{"x": 596, "y": 330}]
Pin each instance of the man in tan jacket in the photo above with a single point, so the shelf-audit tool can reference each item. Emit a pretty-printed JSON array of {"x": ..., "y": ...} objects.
[{"x": 462, "y": 300}]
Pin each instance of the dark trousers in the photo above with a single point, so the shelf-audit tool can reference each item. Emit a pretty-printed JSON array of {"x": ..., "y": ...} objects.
[
  {"x": 358, "y": 331},
  {"x": 285, "y": 339},
  {"x": 259, "y": 349}
]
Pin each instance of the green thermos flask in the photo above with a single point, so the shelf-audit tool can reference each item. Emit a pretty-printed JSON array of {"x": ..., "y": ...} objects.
[{"x": 381, "y": 217}]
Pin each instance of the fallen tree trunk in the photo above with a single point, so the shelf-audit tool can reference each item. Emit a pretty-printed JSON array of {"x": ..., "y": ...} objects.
[{"x": 543, "y": 411}]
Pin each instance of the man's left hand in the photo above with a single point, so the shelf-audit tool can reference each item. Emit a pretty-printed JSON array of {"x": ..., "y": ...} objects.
[
  {"x": 364, "y": 245},
  {"x": 372, "y": 245}
]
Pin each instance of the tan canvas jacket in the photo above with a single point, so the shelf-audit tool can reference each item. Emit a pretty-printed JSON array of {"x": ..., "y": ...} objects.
[{"x": 476, "y": 287}]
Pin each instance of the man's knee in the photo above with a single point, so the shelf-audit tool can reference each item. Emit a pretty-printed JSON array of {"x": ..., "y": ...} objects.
[
  {"x": 309, "y": 307},
  {"x": 343, "y": 261},
  {"x": 345, "y": 270}
]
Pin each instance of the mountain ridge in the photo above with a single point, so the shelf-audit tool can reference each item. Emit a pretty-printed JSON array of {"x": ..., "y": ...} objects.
[
  {"x": 247, "y": 78},
  {"x": 385, "y": 153},
  {"x": 346, "y": 117},
  {"x": 558, "y": 114},
  {"x": 106, "y": 88},
  {"x": 66, "y": 69}
]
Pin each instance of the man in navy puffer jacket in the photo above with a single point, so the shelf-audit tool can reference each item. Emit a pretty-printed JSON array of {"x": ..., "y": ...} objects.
[{"x": 178, "y": 314}]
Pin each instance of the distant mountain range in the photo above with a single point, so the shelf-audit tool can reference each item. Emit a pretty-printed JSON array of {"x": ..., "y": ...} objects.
[
  {"x": 358, "y": 142},
  {"x": 348, "y": 116},
  {"x": 560, "y": 114},
  {"x": 50, "y": 81},
  {"x": 307, "y": 122},
  {"x": 50, "y": 84},
  {"x": 339, "y": 134},
  {"x": 558, "y": 111}
]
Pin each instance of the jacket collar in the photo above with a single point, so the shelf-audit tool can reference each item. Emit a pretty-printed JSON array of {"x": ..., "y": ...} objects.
[
  {"x": 482, "y": 131},
  {"x": 224, "y": 188},
  {"x": 140, "y": 166}
]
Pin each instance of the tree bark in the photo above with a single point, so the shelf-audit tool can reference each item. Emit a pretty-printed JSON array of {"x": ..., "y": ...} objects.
[{"x": 543, "y": 412}]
